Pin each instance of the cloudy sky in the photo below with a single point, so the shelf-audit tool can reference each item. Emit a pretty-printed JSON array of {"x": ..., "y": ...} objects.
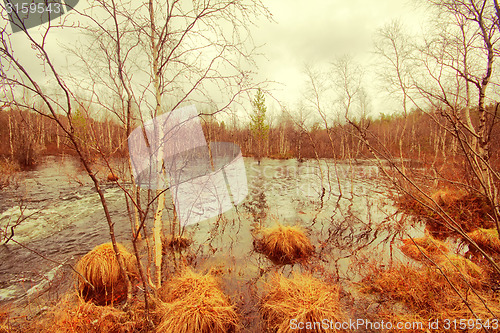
[
  {"x": 312, "y": 33},
  {"x": 305, "y": 33}
]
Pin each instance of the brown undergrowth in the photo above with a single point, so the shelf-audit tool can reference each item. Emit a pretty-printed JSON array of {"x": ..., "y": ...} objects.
[
  {"x": 425, "y": 292},
  {"x": 283, "y": 244},
  {"x": 470, "y": 211},
  {"x": 188, "y": 303},
  {"x": 8, "y": 169},
  {"x": 101, "y": 269},
  {"x": 301, "y": 298},
  {"x": 193, "y": 302},
  {"x": 74, "y": 314},
  {"x": 4, "y": 321}
]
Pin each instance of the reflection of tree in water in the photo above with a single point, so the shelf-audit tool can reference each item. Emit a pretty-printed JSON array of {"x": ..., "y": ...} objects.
[
  {"x": 257, "y": 203},
  {"x": 351, "y": 232}
]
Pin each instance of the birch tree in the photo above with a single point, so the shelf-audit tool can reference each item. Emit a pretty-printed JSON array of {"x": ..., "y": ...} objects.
[{"x": 137, "y": 60}]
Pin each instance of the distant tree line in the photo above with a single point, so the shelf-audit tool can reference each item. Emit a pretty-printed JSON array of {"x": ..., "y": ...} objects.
[{"x": 25, "y": 136}]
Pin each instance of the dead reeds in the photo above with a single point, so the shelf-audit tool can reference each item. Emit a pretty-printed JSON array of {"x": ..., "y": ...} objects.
[
  {"x": 100, "y": 268},
  {"x": 73, "y": 314},
  {"x": 461, "y": 270},
  {"x": 422, "y": 248},
  {"x": 425, "y": 292},
  {"x": 300, "y": 299},
  {"x": 195, "y": 303},
  {"x": 284, "y": 244}
]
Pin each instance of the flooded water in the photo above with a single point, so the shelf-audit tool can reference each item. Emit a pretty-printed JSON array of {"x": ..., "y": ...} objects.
[{"x": 344, "y": 207}]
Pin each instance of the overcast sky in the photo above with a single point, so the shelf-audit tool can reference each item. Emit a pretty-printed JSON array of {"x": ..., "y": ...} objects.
[
  {"x": 313, "y": 32},
  {"x": 308, "y": 33}
]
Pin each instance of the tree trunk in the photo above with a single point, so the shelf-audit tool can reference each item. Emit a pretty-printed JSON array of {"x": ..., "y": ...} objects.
[{"x": 157, "y": 237}]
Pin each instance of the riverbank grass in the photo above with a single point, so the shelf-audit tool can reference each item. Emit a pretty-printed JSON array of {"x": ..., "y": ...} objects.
[
  {"x": 423, "y": 248},
  {"x": 429, "y": 293},
  {"x": 439, "y": 208},
  {"x": 462, "y": 271},
  {"x": 487, "y": 239}
]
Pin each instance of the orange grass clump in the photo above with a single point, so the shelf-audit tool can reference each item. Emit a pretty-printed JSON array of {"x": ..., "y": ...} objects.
[
  {"x": 487, "y": 239},
  {"x": 420, "y": 248},
  {"x": 446, "y": 197},
  {"x": 101, "y": 269},
  {"x": 195, "y": 303},
  {"x": 4, "y": 321},
  {"x": 284, "y": 244},
  {"x": 302, "y": 298},
  {"x": 426, "y": 294}
]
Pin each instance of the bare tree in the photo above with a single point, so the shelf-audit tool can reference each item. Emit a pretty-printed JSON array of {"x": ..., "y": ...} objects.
[
  {"x": 156, "y": 55},
  {"x": 448, "y": 73}
]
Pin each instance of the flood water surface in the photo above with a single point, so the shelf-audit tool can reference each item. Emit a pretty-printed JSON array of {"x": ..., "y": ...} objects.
[{"x": 56, "y": 215}]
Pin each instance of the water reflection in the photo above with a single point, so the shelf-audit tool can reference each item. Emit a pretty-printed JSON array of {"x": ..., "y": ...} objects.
[{"x": 343, "y": 207}]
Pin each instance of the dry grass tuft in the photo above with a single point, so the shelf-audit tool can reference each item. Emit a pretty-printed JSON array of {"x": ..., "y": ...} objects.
[
  {"x": 461, "y": 270},
  {"x": 303, "y": 298},
  {"x": 419, "y": 248},
  {"x": 4, "y": 321},
  {"x": 447, "y": 197},
  {"x": 101, "y": 269},
  {"x": 284, "y": 244},
  {"x": 487, "y": 239},
  {"x": 424, "y": 293},
  {"x": 88, "y": 317},
  {"x": 176, "y": 243},
  {"x": 195, "y": 303},
  {"x": 8, "y": 169}
]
